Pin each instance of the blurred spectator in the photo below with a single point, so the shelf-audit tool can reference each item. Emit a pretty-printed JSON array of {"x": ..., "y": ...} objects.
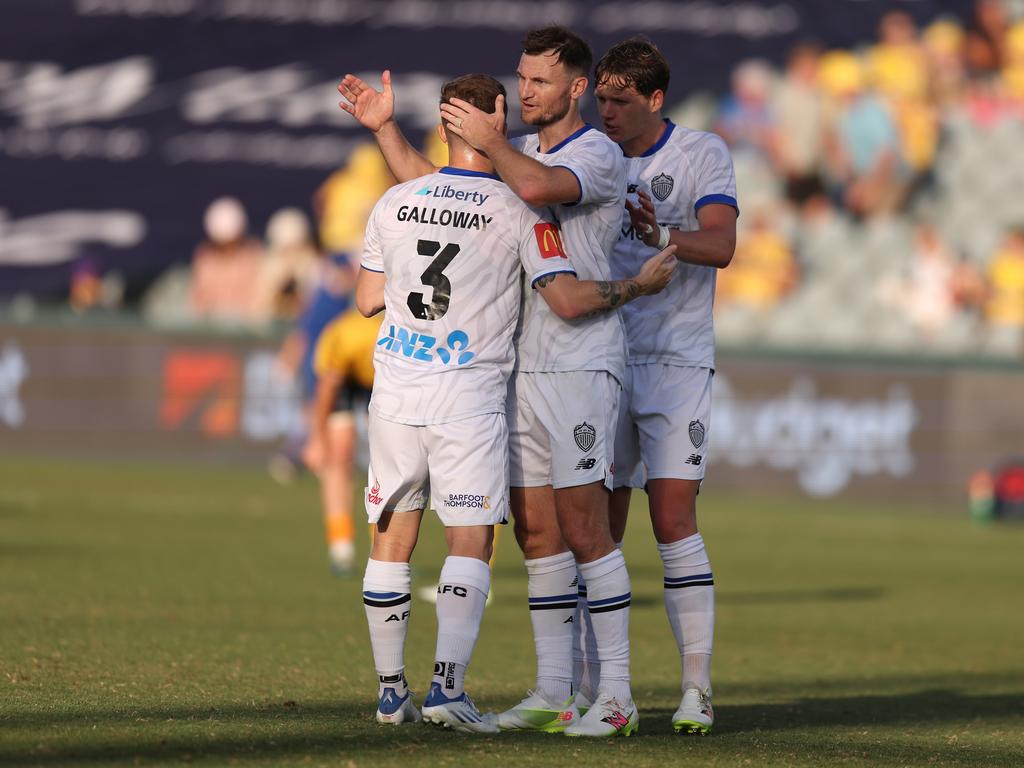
[
  {"x": 926, "y": 294},
  {"x": 1005, "y": 305},
  {"x": 226, "y": 266},
  {"x": 290, "y": 269},
  {"x": 763, "y": 269},
  {"x": 899, "y": 71},
  {"x": 984, "y": 47},
  {"x": 746, "y": 120},
  {"x": 862, "y": 143},
  {"x": 1012, "y": 76},
  {"x": 943, "y": 42},
  {"x": 344, "y": 201},
  {"x": 797, "y": 104},
  {"x": 92, "y": 289}
]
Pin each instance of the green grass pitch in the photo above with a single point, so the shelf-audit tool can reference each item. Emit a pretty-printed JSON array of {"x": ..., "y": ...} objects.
[{"x": 182, "y": 615}]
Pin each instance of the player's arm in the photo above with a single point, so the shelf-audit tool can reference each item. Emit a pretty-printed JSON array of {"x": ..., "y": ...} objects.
[
  {"x": 713, "y": 245},
  {"x": 369, "y": 292},
  {"x": 375, "y": 110},
  {"x": 533, "y": 182},
  {"x": 571, "y": 298}
]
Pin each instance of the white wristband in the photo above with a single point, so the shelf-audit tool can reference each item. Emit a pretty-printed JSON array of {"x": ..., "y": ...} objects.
[{"x": 663, "y": 237}]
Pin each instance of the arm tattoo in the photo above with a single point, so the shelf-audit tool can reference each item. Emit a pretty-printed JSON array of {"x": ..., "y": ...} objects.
[{"x": 543, "y": 281}]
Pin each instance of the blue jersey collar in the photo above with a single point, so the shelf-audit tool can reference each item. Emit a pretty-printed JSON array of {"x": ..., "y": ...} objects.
[
  {"x": 466, "y": 172},
  {"x": 669, "y": 127},
  {"x": 572, "y": 137}
]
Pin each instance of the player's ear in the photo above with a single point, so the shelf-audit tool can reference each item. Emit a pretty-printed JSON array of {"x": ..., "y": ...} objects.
[
  {"x": 442, "y": 134},
  {"x": 579, "y": 87},
  {"x": 656, "y": 101}
]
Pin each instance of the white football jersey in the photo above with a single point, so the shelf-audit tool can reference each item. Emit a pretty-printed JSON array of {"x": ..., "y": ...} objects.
[
  {"x": 590, "y": 228},
  {"x": 450, "y": 246},
  {"x": 684, "y": 171}
]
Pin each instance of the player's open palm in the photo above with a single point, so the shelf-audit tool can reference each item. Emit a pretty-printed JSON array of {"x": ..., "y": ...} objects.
[
  {"x": 372, "y": 108},
  {"x": 657, "y": 271}
]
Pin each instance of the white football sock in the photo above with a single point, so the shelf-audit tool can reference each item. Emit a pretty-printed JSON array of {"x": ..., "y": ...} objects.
[
  {"x": 552, "y": 590},
  {"x": 608, "y": 598},
  {"x": 690, "y": 605},
  {"x": 461, "y": 597},
  {"x": 386, "y": 588}
]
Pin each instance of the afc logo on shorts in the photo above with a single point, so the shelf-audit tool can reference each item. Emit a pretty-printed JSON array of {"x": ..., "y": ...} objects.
[{"x": 585, "y": 436}]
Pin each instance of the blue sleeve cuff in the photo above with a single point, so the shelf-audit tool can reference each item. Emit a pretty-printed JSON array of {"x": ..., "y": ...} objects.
[
  {"x": 570, "y": 170},
  {"x": 721, "y": 199},
  {"x": 554, "y": 272}
]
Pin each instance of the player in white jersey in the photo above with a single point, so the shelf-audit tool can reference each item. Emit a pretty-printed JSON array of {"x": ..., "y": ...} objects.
[
  {"x": 442, "y": 253},
  {"x": 686, "y": 195},
  {"x": 562, "y": 410}
]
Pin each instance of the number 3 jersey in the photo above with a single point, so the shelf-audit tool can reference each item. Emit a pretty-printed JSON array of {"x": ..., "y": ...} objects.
[
  {"x": 684, "y": 171},
  {"x": 450, "y": 246}
]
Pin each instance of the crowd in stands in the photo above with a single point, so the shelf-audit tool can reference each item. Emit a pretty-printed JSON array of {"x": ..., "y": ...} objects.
[{"x": 878, "y": 190}]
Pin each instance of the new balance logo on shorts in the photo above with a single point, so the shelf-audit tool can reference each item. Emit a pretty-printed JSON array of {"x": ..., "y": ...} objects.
[
  {"x": 694, "y": 459},
  {"x": 586, "y": 463}
]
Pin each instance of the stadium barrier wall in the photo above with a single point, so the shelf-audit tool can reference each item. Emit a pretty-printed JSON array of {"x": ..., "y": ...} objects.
[{"x": 822, "y": 426}]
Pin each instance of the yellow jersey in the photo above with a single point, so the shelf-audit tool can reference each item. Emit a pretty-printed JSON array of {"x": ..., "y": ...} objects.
[{"x": 346, "y": 348}]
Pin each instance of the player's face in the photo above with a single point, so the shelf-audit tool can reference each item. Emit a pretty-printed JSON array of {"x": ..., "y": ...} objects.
[
  {"x": 545, "y": 89},
  {"x": 625, "y": 113}
]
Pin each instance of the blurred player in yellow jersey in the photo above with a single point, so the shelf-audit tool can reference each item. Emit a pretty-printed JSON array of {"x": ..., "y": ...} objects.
[{"x": 344, "y": 368}]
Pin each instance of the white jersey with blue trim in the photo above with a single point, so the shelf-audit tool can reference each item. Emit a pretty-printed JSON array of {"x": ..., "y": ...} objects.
[
  {"x": 590, "y": 227},
  {"x": 684, "y": 171},
  {"x": 451, "y": 245}
]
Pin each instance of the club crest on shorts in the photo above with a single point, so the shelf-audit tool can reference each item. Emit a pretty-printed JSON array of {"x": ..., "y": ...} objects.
[
  {"x": 696, "y": 433},
  {"x": 585, "y": 436},
  {"x": 661, "y": 185}
]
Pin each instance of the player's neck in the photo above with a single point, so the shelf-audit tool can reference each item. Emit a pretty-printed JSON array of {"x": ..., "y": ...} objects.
[
  {"x": 652, "y": 133},
  {"x": 468, "y": 159},
  {"x": 555, "y": 133}
]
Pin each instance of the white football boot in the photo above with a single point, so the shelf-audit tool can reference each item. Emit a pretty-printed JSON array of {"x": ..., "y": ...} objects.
[
  {"x": 607, "y": 717},
  {"x": 695, "y": 714}
]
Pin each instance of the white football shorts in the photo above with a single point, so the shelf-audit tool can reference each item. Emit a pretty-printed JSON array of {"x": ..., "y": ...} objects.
[
  {"x": 562, "y": 427},
  {"x": 664, "y": 418},
  {"x": 463, "y": 463}
]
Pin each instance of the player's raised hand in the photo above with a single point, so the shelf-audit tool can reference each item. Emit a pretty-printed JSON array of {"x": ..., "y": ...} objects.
[
  {"x": 644, "y": 218},
  {"x": 372, "y": 108},
  {"x": 476, "y": 127},
  {"x": 657, "y": 271}
]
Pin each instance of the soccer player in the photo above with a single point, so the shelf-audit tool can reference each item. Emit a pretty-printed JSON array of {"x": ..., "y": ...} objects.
[
  {"x": 343, "y": 362},
  {"x": 562, "y": 408},
  {"x": 442, "y": 254},
  {"x": 686, "y": 196}
]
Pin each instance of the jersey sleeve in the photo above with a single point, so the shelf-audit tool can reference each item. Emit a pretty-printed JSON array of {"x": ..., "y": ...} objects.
[
  {"x": 373, "y": 253},
  {"x": 541, "y": 249},
  {"x": 600, "y": 169},
  {"x": 715, "y": 178}
]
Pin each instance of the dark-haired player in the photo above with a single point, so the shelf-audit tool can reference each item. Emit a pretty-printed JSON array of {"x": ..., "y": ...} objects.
[{"x": 685, "y": 193}]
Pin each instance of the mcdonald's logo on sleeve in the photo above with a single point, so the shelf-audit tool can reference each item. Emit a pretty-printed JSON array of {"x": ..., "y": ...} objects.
[{"x": 549, "y": 239}]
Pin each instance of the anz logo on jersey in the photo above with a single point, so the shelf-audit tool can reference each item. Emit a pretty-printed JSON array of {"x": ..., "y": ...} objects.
[{"x": 423, "y": 347}]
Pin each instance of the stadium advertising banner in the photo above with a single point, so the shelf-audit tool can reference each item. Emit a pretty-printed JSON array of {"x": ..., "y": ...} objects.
[
  {"x": 822, "y": 428},
  {"x": 120, "y": 120}
]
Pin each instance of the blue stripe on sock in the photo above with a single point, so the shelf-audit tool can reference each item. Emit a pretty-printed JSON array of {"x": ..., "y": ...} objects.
[
  {"x": 610, "y": 600},
  {"x": 681, "y": 579},
  {"x": 383, "y": 595}
]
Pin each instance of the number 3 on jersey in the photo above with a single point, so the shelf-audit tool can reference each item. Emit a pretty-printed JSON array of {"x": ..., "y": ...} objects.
[{"x": 435, "y": 278}]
